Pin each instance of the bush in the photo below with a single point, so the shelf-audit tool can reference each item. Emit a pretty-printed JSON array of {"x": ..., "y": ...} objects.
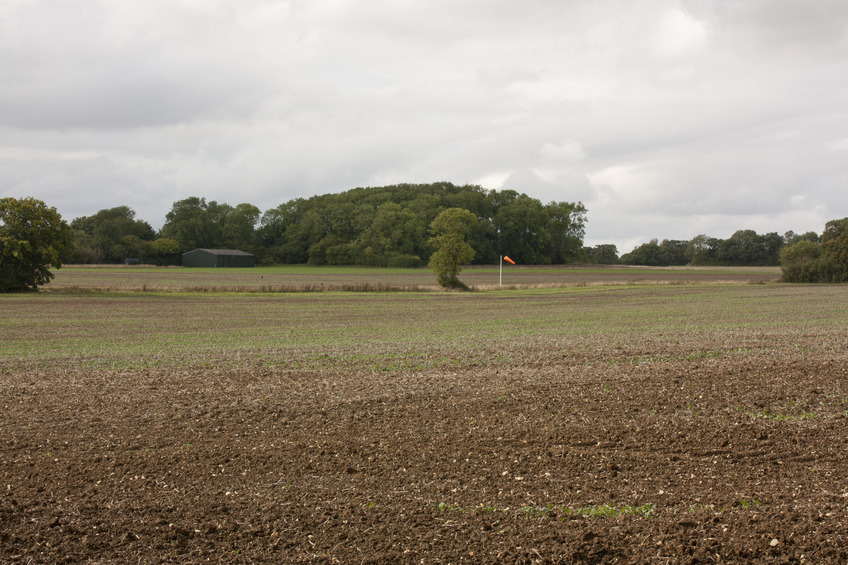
[
  {"x": 798, "y": 262},
  {"x": 343, "y": 254},
  {"x": 404, "y": 261}
]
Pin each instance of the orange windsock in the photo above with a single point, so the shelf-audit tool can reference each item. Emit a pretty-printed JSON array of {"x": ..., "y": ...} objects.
[{"x": 509, "y": 260}]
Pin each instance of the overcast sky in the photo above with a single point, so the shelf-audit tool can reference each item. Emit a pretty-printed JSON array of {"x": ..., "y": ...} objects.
[{"x": 666, "y": 118}]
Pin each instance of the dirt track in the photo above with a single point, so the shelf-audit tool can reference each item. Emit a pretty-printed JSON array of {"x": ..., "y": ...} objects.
[{"x": 555, "y": 457}]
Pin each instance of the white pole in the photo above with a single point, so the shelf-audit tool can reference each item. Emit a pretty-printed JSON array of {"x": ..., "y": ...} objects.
[{"x": 500, "y": 273}]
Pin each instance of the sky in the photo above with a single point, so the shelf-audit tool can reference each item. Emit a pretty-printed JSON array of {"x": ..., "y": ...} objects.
[{"x": 666, "y": 118}]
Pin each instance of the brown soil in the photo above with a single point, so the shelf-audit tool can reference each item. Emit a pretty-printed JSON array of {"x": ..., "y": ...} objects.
[{"x": 550, "y": 457}]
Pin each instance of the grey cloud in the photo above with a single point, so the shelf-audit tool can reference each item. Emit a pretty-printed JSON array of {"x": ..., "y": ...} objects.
[
  {"x": 665, "y": 114},
  {"x": 777, "y": 23},
  {"x": 568, "y": 187},
  {"x": 80, "y": 65}
]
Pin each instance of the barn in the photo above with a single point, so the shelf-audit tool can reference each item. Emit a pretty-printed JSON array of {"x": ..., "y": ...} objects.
[{"x": 218, "y": 258}]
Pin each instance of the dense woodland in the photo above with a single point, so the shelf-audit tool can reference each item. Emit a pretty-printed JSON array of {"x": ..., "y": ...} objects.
[
  {"x": 822, "y": 261},
  {"x": 389, "y": 226},
  {"x": 379, "y": 226}
]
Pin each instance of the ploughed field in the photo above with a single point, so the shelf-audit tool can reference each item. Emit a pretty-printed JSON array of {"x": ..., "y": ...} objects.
[{"x": 687, "y": 423}]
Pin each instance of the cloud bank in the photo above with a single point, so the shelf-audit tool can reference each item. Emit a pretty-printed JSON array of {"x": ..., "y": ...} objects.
[{"x": 666, "y": 118}]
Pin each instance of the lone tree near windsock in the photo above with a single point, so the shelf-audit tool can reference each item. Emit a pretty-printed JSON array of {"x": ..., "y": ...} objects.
[{"x": 452, "y": 250}]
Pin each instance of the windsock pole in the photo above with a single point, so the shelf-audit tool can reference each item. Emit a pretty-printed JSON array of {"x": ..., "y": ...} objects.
[{"x": 500, "y": 275}]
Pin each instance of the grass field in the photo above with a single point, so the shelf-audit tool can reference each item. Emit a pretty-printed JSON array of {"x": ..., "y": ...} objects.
[
  {"x": 380, "y": 330},
  {"x": 299, "y": 278},
  {"x": 577, "y": 415}
]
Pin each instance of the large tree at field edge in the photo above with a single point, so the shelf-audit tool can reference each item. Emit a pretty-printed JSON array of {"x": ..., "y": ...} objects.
[{"x": 33, "y": 238}]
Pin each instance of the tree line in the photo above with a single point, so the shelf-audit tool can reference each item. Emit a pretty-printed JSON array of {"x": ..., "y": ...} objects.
[
  {"x": 377, "y": 226},
  {"x": 34, "y": 237},
  {"x": 807, "y": 257},
  {"x": 389, "y": 226},
  {"x": 743, "y": 248}
]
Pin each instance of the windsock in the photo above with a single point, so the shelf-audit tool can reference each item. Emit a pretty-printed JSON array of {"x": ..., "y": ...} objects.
[{"x": 509, "y": 260}]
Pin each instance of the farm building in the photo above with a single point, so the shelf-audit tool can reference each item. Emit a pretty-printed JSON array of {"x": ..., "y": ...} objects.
[{"x": 218, "y": 258}]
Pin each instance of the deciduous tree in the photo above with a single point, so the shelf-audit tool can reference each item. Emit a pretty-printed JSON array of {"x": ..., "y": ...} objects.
[
  {"x": 567, "y": 228},
  {"x": 797, "y": 261},
  {"x": 240, "y": 227},
  {"x": 112, "y": 235},
  {"x": 452, "y": 250},
  {"x": 195, "y": 224},
  {"x": 604, "y": 254},
  {"x": 33, "y": 238},
  {"x": 807, "y": 261}
]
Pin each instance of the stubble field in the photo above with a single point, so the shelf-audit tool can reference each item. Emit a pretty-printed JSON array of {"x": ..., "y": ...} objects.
[
  {"x": 299, "y": 278},
  {"x": 704, "y": 421}
]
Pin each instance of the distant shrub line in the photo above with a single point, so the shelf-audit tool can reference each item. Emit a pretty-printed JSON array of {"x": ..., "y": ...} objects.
[{"x": 825, "y": 261}]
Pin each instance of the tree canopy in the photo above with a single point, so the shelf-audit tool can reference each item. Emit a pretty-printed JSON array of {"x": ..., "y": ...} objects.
[
  {"x": 382, "y": 226},
  {"x": 33, "y": 238},
  {"x": 818, "y": 262},
  {"x": 110, "y": 236}
]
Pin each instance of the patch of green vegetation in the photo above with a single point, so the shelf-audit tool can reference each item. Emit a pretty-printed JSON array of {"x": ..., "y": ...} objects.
[
  {"x": 606, "y": 510},
  {"x": 646, "y": 510},
  {"x": 779, "y": 416},
  {"x": 562, "y": 512},
  {"x": 711, "y": 354},
  {"x": 795, "y": 411},
  {"x": 695, "y": 508}
]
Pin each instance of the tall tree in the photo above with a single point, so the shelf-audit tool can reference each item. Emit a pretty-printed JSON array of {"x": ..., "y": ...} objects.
[
  {"x": 791, "y": 238},
  {"x": 566, "y": 224},
  {"x": 603, "y": 254},
  {"x": 834, "y": 267},
  {"x": 646, "y": 254},
  {"x": 113, "y": 234},
  {"x": 33, "y": 238},
  {"x": 673, "y": 252},
  {"x": 703, "y": 250},
  {"x": 523, "y": 230},
  {"x": 394, "y": 231},
  {"x": 452, "y": 251},
  {"x": 276, "y": 232},
  {"x": 240, "y": 227},
  {"x": 195, "y": 224}
]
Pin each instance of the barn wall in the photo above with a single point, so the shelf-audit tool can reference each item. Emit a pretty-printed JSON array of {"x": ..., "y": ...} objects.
[
  {"x": 199, "y": 258},
  {"x": 207, "y": 258},
  {"x": 235, "y": 261}
]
